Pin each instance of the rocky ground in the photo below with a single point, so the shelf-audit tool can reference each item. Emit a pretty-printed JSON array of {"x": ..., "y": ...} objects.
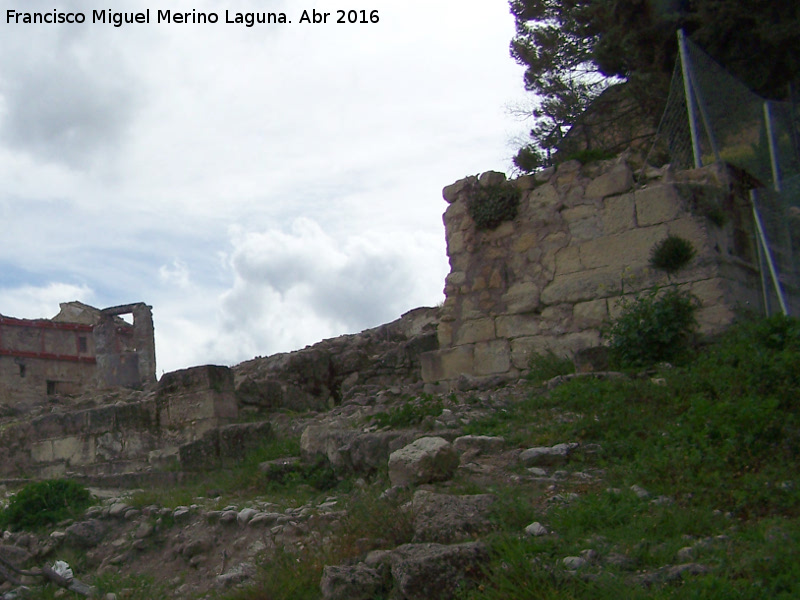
[{"x": 435, "y": 474}]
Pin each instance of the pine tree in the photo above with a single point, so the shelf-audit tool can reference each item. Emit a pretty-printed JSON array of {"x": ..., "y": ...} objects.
[{"x": 574, "y": 49}]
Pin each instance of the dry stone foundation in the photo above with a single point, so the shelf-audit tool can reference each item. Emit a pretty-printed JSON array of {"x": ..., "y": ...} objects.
[{"x": 548, "y": 279}]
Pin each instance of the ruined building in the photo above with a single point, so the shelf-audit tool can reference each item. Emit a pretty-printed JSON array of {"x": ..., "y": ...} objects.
[{"x": 81, "y": 348}]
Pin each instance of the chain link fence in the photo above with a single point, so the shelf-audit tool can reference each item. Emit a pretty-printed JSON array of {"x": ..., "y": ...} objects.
[{"x": 712, "y": 117}]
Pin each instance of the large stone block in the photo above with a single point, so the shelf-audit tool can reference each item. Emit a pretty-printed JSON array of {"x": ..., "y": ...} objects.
[
  {"x": 568, "y": 260},
  {"x": 469, "y": 332},
  {"x": 492, "y": 358},
  {"x": 542, "y": 197},
  {"x": 616, "y": 181},
  {"x": 426, "y": 460},
  {"x": 451, "y": 192},
  {"x": 524, "y": 348},
  {"x": 236, "y": 441},
  {"x": 195, "y": 395},
  {"x": 522, "y": 297},
  {"x": 42, "y": 452},
  {"x": 205, "y": 377},
  {"x": 621, "y": 250},
  {"x": 590, "y": 314},
  {"x": 444, "y": 334},
  {"x": 455, "y": 243},
  {"x": 692, "y": 229},
  {"x": 435, "y": 571},
  {"x": 657, "y": 204},
  {"x": 619, "y": 214},
  {"x": 74, "y": 450},
  {"x": 450, "y": 363},
  {"x": 520, "y": 325},
  {"x": 582, "y": 287},
  {"x": 201, "y": 454},
  {"x": 583, "y": 222}
]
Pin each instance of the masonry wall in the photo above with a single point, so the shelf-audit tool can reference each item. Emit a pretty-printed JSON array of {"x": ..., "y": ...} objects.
[
  {"x": 80, "y": 349},
  {"x": 41, "y": 357},
  {"x": 550, "y": 278},
  {"x": 136, "y": 436}
]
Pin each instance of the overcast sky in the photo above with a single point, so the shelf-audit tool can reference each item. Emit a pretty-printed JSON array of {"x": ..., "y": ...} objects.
[{"x": 262, "y": 188}]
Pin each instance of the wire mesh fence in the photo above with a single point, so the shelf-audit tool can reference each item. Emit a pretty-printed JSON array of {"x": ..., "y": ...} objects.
[{"x": 712, "y": 117}]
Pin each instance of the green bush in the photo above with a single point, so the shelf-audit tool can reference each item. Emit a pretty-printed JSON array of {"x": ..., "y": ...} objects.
[
  {"x": 671, "y": 254},
  {"x": 490, "y": 205},
  {"x": 45, "y": 503},
  {"x": 653, "y": 327}
]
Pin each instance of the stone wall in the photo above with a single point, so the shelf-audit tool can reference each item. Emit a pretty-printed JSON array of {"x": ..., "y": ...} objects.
[
  {"x": 80, "y": 349},
  {"x": 138, "y": 433},
  {"x": 550, "y": 278}
]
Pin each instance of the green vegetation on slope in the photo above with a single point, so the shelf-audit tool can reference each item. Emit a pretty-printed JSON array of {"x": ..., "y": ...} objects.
[{"x": 715, "y": 443}]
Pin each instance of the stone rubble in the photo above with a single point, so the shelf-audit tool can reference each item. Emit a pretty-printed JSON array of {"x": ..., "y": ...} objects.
[{"x": 212, "y": 548}]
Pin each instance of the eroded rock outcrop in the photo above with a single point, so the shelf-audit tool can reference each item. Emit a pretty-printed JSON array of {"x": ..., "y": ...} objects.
[{"x": 321, "y": 376}]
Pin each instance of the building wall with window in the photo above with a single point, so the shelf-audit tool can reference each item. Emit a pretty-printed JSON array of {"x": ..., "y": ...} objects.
[{"x": 82, "y": 348}]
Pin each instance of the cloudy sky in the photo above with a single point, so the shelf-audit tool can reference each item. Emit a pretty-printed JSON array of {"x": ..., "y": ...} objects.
[{"x": 262, "y": 188}]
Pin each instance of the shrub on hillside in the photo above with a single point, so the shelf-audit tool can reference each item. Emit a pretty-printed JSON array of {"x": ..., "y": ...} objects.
[
  {"x": 653, "y": 327},
  {"x": 45, "y": 503}
]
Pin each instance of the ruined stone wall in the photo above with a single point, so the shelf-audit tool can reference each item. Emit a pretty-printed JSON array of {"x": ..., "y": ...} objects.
[
  {"x": 82, "y": 348},
  {"x": 142, "y": 433},
  {"x": 41, "y": 357},
  {"x": 550, "y": 278}
]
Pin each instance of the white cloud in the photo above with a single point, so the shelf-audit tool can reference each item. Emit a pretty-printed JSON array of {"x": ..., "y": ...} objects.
[
  {"x": 296, "y": 286},
  {"x": 262, "y": 188},
  {"x": 32, "y": 302}
]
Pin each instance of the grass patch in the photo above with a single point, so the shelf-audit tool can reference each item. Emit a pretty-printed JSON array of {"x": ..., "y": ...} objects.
[
  {"x": 295, "y": 483},
  {"x": 295, "y": 575},
  {"x": 412, "y": 412},
  {"x": 543, "y": 367},
  {"x": 720, "y": 438}
]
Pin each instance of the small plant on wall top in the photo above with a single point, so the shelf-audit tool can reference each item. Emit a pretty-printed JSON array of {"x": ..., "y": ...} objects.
[
  {"x": 490, "y": 205},
  {"x": 671, "y": 254}
]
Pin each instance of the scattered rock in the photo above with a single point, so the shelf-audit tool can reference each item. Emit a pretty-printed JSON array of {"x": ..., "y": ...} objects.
[
  {"x": 358, "y": 582},
  {"x": 544, "y": 456},
  {"x": 573, "y": 563},
  {"x": 435, "y": 571},
  {"x": 479, "y": 444},
  {"x": 86, "y": 534},
  {"x": 536, "y": 529},
  {"x": 426, "y": 460},
  {"x": 445, "y": 519}
]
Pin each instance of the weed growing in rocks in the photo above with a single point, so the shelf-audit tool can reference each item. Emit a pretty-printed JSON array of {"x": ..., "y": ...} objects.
[
  {"x": 547, "y": 365},
  {"x": 671, "y": 254},
  {"x": 410, "y": 413},
  {"x": 490, "y": 205}
]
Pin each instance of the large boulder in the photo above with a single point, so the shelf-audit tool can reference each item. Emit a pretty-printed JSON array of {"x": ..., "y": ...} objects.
[
  {"x": 426, "y": 460},
  {"x": 434, "y": 571},
  {"x": 357, "y": 582},
  {"x": 86, "y": 534},
  {"x": 445, "y": 518},
  {"x": 349, "y": 450}
]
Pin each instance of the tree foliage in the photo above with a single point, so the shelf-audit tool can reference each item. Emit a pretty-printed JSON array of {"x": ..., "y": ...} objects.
[{"x": 573, "y": 49}]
